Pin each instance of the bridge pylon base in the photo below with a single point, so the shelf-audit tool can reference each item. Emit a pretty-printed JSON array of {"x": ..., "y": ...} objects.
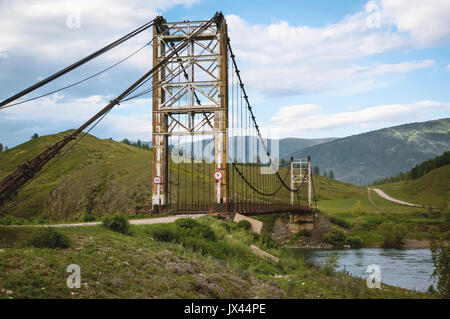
[{"x": 298, "y": 222}]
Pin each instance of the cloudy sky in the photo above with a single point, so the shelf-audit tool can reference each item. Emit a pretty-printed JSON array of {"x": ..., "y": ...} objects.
[{"x": 313, "y": 69}]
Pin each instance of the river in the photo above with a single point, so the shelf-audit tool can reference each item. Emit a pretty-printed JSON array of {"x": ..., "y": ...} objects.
[{"x": 409, "y": 269}]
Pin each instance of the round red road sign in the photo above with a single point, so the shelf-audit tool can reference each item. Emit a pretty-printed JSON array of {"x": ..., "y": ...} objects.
[
  {"x": 157, "y": 180},
  {"x": 218, "y": 175}
]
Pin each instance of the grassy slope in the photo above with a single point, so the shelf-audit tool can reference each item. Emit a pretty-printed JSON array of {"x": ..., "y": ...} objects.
[
  {"x": 88, "y": 176},
  {"x": 431, "y": 189},
  {"x": 337, "y": 200},
  {"x": 114, "y": 265}
]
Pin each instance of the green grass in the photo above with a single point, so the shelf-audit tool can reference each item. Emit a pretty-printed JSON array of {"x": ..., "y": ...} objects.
[
  {"x": 429, "y": 190},
  {"x": 115, "y": 265},
  {"x": 338, "y": 200}
]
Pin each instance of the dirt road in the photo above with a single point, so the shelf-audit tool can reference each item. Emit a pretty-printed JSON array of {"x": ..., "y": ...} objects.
[
  {"x": 389, "y": 198},
  {"x": 148, "y": 221}
]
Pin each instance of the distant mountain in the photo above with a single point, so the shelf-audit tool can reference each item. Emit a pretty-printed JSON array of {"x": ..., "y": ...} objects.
[
  {"x": 286, "y": 146},
  {"x": 378, "y": 154},
  {"x": 290, "y": 145}
]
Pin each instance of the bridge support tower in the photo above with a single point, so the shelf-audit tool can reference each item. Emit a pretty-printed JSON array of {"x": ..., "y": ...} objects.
[
  {"x": 301, "y": 175},
  {"x": 190, "y": 97}
]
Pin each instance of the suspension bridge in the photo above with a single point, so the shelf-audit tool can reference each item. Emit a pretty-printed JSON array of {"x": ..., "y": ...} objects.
[{"x": 209, "y": 155}]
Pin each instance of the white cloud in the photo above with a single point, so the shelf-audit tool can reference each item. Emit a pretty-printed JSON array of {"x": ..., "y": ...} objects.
[
  {"x": 291, "y": 121},
  {"x": 428, "y": 22},
  {"x": 54, "y": 113},
  {"x": 285, "y": 59},
  {"x": 38, "y": 29}
]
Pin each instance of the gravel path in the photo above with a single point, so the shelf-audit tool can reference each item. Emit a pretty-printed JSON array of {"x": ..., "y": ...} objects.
[
  {"x": 148, "y": 221},
  {"x": 385, "y": 196}
]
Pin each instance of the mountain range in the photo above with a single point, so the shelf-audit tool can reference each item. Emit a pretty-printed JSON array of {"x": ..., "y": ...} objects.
[{"x": 370, "y": 156}]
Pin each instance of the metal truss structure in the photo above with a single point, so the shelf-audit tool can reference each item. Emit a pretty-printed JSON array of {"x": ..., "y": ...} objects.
[
  {"x": 190, "y": 96},
  {"x": 301, "y": 174}
]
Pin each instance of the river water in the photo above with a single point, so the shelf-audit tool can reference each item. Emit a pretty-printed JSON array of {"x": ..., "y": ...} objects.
[{"x": 409, "y": 269}]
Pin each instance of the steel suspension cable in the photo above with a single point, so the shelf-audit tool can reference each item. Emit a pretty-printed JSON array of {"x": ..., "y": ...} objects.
[
  {"x": 78, "y": 63},
  {"x": 80, "y": 81},
  {"x": 254, "y": 119}
]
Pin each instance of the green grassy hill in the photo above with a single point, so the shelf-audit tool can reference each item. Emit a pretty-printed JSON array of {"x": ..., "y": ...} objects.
[
  {"x": 362, "y": 213},
  {"x": 95, "y": 176},
  {"x": 432, "y": 189}
]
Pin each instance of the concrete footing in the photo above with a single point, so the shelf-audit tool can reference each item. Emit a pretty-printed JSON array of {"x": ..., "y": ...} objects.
[{"x": 300, "y": 222}]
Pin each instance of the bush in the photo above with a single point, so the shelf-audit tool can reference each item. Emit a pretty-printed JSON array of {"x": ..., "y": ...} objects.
[
  {"x": 440, "y": 254},
  {"x": 354, "y": 241},
  {"x": 165, "y": 232},
  {"x": 245, "y": 224},
  {"x": 87, "y": 217},
  {"x": 117, "y": 222},
  {"x": 268, "y": 242},
  {"x": 48, "y": 237},
  {"x": 340, "y": 222},
  {"x": 336, "y": 237},
  {"x": 331, "y": 263},
  {"x": 393, "y": 234},
  {"x": 187, "y": 223},
  {"x": 5, "y": 221}
]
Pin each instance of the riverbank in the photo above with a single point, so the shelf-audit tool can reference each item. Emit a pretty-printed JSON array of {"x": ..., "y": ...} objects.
[
  {"x": 278, "y": 228},
  {"x": 171, "y": 261}
]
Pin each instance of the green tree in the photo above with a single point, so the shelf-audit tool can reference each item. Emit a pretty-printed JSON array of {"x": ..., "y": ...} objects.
[
  {"x": 35, "y": 135},
  {"x": 1, "y": 147},
  {"x": 393, "y": 234},
  {"x": 316, "y": 170},
  {"x": 126, "y": 141},
  {"x": 331, "y": 175},
  {"x": 139, "y": 143},
  {"x": 440, "y": 254}
]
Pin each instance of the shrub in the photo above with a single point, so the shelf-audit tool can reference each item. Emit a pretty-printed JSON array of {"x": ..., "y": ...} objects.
[
  {"x": 440, "y": 254},
  {"x": 354, "y": 241},
  {"x": 447, "y": 219},
  {"x": 5, "y": 221},
  {"x": 87, "y": 217},
  {"x": 187, "y": 223},
  {"x": 331, "y": 263},
  {"x": 340, "y": 222},
  {"x": 117, "y": 222},
  {"x": 269, "y": 242},
  {"x": 48, "y": 237},
  {"x": 336, "y": 237},
  {"x": 165, "y": 232},
  {"x": 393, "y": 234},
  {"x": 204, "y": 231},
  {"x": 245, "y": 224}
]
